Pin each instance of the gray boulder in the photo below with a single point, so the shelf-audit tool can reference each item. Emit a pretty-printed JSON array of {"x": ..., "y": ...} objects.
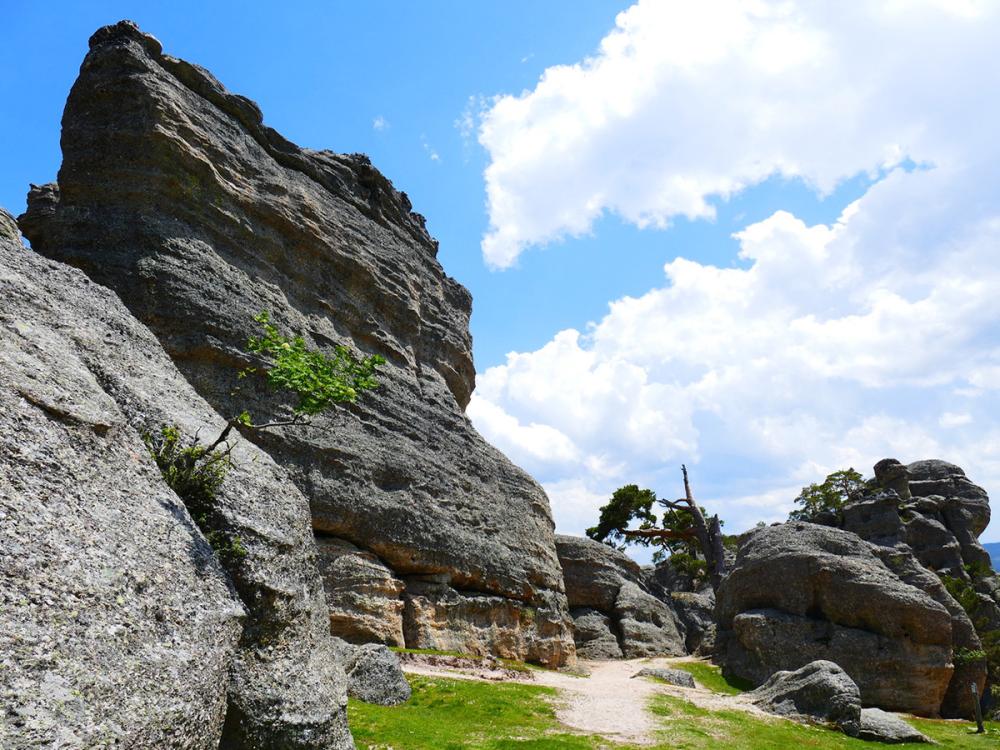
[
  {"x": 674, "y": 676},
  {"x": 122, "y": 626},
  {"x": 374, "y": 674},
  {"x": 819, "y": 691},
  {"x": 595, "y": 635},
  {"x": 602, "y": 579},
  {"x": 877, "y": 725},
  {"x": 648, "y": 626},
  {"x": 801, "y": 592},
  {"x": 174, "y": 193},
  {"x": 594, "y": 572}
]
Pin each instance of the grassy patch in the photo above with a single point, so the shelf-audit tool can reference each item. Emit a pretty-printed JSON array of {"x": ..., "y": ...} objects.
[
  {"x": 710, "y": 677},
  {"x": 959, "y": 733},
  {"x": 448, "y": 714}
]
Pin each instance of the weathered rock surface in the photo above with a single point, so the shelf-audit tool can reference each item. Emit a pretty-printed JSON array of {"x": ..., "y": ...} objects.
[
  {"x": 595, "y": 635},
  {"x": 877, "y": 725},
  {"x": 674, "y": 676},
  {"x": 801, "y": 592},
  {"x": 437, "y": 616},
  {"x": 374, "y": 674},
  {"x": 175, "y": 194},
  {"x": 120, "y": 626},
  {"x": 365, "y": 599},
  {"x": 594, "y": 572},
  {"x": 818, "y": 691},
  {"x": 599, "y": 578},
  {"x": 648, "y": 627},
  {"x": 930, "y": 508},
  {"x": 696, "y": 613}
]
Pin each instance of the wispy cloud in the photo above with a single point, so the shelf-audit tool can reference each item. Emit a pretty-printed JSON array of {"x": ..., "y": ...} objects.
[{"x": 380, "y": 123}]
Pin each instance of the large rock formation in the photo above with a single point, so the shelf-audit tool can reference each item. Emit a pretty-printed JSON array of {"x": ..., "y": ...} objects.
[
  {"x": 800, "y": 592},
  {"x": 175, "y": 194},
  {"x": 120, "y": 626},
  {"x": 930, "y": 508},
  {"x": 614, "y": 613}
]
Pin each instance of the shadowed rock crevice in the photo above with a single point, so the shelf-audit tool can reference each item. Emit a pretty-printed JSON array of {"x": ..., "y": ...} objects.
[{"x": 173, "y": 193}]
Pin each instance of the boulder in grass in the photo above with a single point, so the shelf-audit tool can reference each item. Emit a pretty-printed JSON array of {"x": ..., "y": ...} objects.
[
  {"x": 881, "y": 726},
  {"x": 819, "y": 691}
]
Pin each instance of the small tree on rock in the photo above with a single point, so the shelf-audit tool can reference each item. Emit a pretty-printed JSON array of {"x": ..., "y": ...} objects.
[
  {"x": 830, "y": 495},
  {"x": 318, "y": 381}
]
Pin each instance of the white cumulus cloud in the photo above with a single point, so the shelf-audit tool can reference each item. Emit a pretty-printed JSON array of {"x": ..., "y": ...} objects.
[
  {"x": 686, "y": 102},
  {"x": 826, "y": 345}
]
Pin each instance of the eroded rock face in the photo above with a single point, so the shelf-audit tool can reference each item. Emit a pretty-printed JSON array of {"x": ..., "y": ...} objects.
[
  {"x": 123, "y": 627},
  {"x": 595, "y": 635},
  {"x": 602, "y": 580},
  {"x": 175, "y": 194},
  {"x": 801, "y": 592},
  {"x": 436, "y": 616},
  {"x": 365, "y": 599}
]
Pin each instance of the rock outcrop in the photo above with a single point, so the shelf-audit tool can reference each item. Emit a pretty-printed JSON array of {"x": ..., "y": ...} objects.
[
  {"x": 611, "y": 605},
  {"x": 374, "y": 674},
  {"x": 876, "y": 725},
  {"x": 677, "y": 677},
  {"x": 800, "y": 592},
  {"x": 175, "y": 194},
  {"x": 932, "y": 510},
  {"x": 121, "y": 627}
]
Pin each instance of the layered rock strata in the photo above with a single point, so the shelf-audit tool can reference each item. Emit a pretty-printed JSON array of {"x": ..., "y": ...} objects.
[
  {"x": 800, "y": 592},
  {"x": 174, "y": 193},
  {"x": 121, "y": 627},
  {"x": 614, "y": 613}
]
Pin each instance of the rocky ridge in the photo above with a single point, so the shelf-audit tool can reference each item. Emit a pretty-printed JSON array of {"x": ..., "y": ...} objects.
[{"x": 175, "y": 194}]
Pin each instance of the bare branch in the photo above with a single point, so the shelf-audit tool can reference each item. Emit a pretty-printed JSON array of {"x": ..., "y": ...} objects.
[{"x": 296, "y": 420}]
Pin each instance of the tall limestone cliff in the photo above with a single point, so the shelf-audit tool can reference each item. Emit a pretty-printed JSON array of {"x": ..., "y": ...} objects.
[{"x": 175, "y": 194}]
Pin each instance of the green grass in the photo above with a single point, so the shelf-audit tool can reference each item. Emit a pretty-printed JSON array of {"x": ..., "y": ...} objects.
[
  {"x": 710, "y": 677},
  {"x": 693, "y": 728},
  {"x": 446, "y": 714}
]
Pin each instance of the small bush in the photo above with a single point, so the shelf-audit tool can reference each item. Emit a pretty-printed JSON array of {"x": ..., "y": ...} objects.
[{"x": 195, "y": 474}]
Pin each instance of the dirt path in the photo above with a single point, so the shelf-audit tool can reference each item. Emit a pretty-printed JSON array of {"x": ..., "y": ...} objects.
[{"x": 609, "y": 701}]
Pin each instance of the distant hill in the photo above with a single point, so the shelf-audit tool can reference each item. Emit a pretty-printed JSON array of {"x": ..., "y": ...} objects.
[{"x": 994, "y": 549}]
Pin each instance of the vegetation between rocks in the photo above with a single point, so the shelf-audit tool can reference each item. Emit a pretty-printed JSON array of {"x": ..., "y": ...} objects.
[{"x": 319, "y": 381}]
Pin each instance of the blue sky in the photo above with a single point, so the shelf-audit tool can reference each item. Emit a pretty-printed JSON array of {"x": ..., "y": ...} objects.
[{"x": 698, "y": 228}]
